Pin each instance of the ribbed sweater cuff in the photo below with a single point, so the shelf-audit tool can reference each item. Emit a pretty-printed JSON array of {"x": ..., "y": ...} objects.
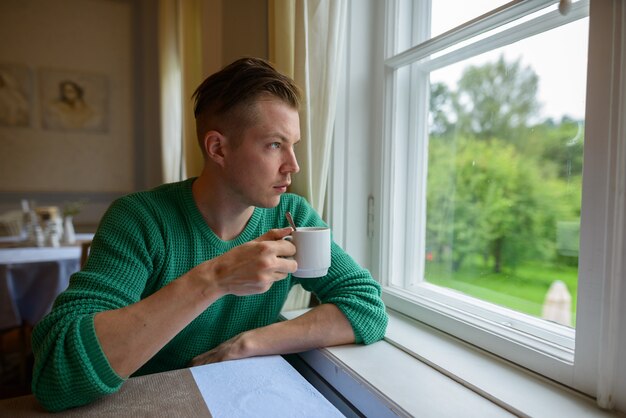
[{"x": 97, "y": 359}]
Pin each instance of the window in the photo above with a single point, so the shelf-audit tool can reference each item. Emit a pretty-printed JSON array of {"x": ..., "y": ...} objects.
[
  {"x": 490, "y": 175},
  {"x": 482, "y": 200}
]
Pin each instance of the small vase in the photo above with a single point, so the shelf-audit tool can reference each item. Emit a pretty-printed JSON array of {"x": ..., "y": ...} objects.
[{"x": 69, "y": 236}]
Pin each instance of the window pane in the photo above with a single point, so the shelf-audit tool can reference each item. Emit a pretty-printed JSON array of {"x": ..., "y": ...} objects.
[
  {"x": 505, "y": 174},
  {"x": 448, "y": 14}
]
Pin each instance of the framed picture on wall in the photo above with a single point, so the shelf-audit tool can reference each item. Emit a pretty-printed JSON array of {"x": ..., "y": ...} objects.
[
  {"x": 16, "y": 95},
  {"x": 73, "y": 101}
]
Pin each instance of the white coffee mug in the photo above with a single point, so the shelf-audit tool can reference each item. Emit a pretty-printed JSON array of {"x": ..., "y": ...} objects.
[{"x": 312, "y": 251}]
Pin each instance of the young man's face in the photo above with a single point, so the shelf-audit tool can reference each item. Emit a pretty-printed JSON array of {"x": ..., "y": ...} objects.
[{"x": 259, "y": 168}]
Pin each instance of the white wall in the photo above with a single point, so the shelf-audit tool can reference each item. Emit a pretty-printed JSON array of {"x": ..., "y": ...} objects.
[{"x": 358, "y": 127}]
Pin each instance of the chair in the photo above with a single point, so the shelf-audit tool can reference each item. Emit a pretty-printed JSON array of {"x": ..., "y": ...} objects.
[
  {"x": 15, "y": 357},
  {"x": 84, "y": 252},
  {"x": 14, "y": 341},
  {"x": 11, "y": 223}
]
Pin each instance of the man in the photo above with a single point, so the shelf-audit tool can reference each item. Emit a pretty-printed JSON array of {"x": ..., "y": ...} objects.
[{"x": 196, "y": 272}]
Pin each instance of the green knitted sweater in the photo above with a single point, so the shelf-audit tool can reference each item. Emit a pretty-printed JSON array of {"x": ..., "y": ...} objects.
[{"x": 146, "y": 240}]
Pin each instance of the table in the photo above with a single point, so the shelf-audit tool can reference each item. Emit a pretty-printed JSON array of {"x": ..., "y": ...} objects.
[
  {"x": 170, "y": 394},
  {"x": 31, "y": 278},
  {"x": 182, "y": 393}
]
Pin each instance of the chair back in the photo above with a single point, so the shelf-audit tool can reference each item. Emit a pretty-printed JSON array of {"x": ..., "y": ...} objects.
[{"x": 84, "y": 252}]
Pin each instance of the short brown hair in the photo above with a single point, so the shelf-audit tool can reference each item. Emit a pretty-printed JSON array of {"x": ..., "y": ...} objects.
[{"x": 225, "y": 98}]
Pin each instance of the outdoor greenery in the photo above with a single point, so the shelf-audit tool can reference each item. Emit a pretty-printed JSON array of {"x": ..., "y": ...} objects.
[
  {"x": 523, "y": 290},
  {"x": 504, "y": 189}
]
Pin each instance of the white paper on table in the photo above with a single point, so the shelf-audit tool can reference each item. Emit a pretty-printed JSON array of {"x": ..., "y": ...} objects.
[{"x": 260, "y": 387}]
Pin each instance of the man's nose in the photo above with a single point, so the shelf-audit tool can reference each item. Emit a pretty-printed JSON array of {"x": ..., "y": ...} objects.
[{"x": 291, "y": 165}]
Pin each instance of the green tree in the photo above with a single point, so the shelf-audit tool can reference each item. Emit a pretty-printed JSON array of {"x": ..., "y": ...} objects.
[
  {"x": 440, "y": 109},
  {"x": 499, "y": 181},
  {"x": 485, "y": 199},
  {"x": 557, "y": 144},
  {"x": 494, "y": 100}
]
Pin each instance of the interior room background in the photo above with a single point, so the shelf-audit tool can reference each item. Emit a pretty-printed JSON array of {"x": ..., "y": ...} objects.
[{"x": 117, "y": 42}]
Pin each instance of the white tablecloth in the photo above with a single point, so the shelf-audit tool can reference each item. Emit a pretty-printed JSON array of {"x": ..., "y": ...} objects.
[
  {"x": 38, "y": 255},
  {"x": 31, "y": 278},
  {"x": 260, "y": 387}
]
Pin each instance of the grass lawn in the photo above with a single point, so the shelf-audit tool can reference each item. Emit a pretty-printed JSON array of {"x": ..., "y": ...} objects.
[{"x": 523, "y": 288}]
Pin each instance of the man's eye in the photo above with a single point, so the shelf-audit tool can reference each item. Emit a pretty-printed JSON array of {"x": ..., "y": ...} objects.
[{"x": 275, "y": 145}]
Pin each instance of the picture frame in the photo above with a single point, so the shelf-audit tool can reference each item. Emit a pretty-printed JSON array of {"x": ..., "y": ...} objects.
[
  {"x": 73, "y": 101},
  {"x": 16, "y": 95}
]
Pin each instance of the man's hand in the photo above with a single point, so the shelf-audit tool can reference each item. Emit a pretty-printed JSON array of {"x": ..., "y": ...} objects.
[
  {"x": 233, "y": 349},
  {"x": 250, "y": 268}
]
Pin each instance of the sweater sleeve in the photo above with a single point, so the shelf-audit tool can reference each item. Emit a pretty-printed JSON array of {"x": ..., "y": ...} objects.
[
  {"x": 348, "y": 286},
  {"x": 70, "y": 367},
  {"x": 353, "y": 290}
]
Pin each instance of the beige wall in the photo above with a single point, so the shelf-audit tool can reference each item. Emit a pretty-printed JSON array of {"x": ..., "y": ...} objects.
[
  {"x": 115, "y": 39},
  {"x": 233, "y": 29},
  {"x": 244, "y": 29},
  {"x": 90, "y": 39}
]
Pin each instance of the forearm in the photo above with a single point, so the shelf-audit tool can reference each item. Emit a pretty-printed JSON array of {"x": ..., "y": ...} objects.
[
  {"x": 130, "y": 336},
  {"x": 323, "y": 326}
]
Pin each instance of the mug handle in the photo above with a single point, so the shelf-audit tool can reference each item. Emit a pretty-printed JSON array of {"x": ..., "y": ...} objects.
[{"x": 290, "y": 239}]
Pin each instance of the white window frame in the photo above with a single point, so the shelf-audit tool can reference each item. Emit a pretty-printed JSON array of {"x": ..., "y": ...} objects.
[
  {"x": 602, "y": 242},
  {"x": 405, "y": 269}
]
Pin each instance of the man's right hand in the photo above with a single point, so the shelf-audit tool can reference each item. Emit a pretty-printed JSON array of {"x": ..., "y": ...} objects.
[
  {"x": 131, "y": 335},
  {"x": 250, "y": 268}
]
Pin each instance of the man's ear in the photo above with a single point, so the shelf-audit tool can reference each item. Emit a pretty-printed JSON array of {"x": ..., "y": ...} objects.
[{"x": 214, "y": 144}]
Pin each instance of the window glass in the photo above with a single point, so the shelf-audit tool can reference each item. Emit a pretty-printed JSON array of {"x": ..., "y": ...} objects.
[
  {"x": 504, "y": 179},
  {"x": 448, "y": 14}
]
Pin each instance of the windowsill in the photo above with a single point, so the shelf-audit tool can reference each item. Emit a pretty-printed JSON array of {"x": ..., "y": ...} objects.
[{"x": 428, "y": 373}]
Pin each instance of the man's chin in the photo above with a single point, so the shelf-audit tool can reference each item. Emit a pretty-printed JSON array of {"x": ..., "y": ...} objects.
[{"x": 269, "y": 203}]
